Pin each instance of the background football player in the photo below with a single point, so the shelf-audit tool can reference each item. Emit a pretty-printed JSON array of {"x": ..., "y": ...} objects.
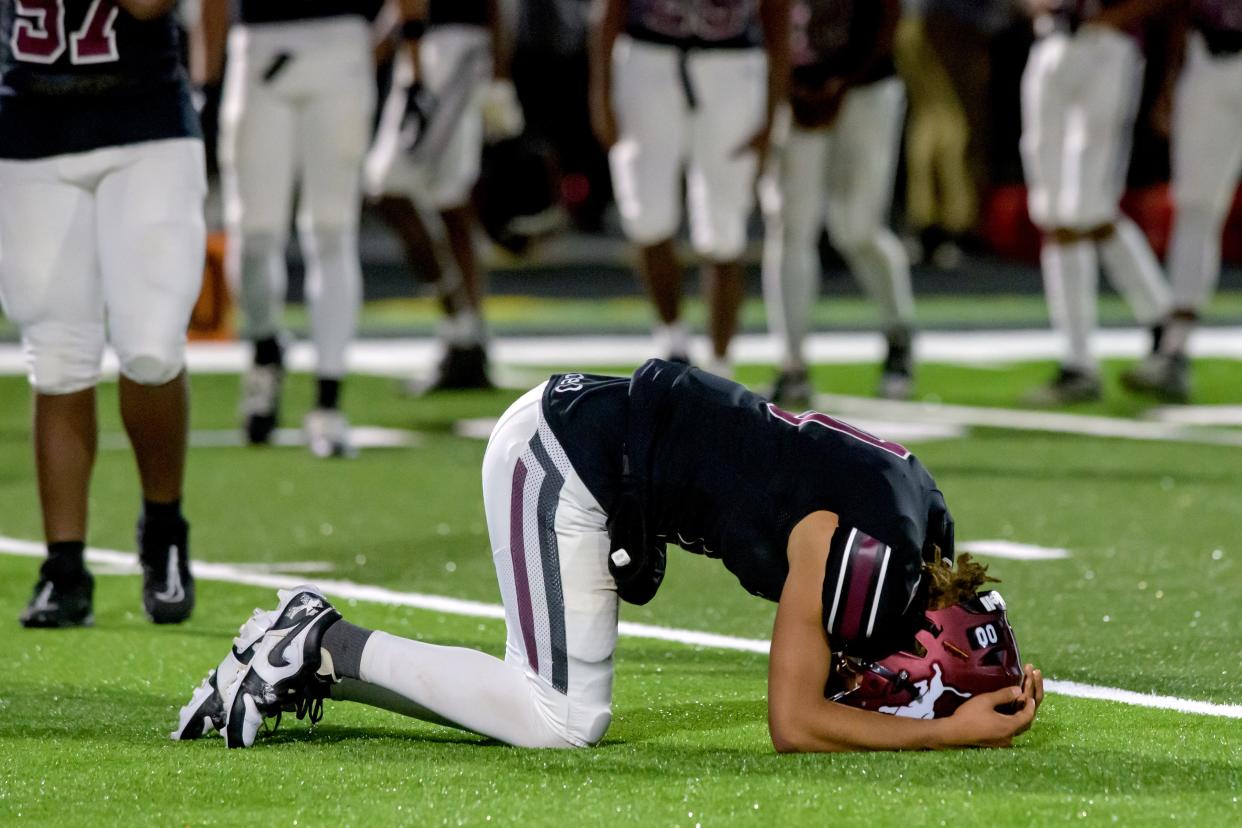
[
  {"x": 584, "y": 479},
  {"x": 690, "y": 84},
  {"x": 847, "y": 105},
  {"x": 295, "y": 114},
  {"x": 450, "y": 90},
  {"x": 1206, "y": 129},
  {"x": 102, "y": 238},
  {"x": 1080, "y": 94}
]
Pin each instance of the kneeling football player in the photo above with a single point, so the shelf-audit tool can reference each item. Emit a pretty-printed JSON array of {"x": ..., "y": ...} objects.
[{"x": 584, "y": 480}]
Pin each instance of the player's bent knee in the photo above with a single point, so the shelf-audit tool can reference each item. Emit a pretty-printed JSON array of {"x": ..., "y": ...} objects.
[
  {"x": 151, "y": 369},
  {"x": 56, "y": 377}
]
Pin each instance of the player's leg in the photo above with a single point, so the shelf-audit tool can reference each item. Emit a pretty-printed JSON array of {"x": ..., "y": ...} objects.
[
  {"x": 335, "y": 122},
  {"x": 730, "y": 92},
  {"x": 1207, "y": 159},
  {"x": 258, "y": 153},
  {"x": 151, "y": 237},
  {"x": 860, "y": 185},
  {"x": 651, "y": 110},
  {"x": 550, "y": 546},
  {"x": 451, "y": 178},
  {"x": 792, "y": 195},
  {"x": 49, "y": 288},
  {"x": 1099, "y": 156},
  {"x": 1068, "y": 259}
]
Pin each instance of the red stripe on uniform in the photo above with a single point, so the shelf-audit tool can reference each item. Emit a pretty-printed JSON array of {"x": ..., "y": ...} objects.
[
  {"x": 517, "y": 548},
  {"x": 863, "y": 570}
]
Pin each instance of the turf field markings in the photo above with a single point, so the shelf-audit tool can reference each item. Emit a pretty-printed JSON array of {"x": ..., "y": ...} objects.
[
  {"x": 1013, "y": 551},
  {"x": 1200, "y": 415},
  {"x": 480, "y": 428},
  {"x": 1053, "y": 422},
  {"x": 361, "y": 437},
  {"x": 231, "y": 573},
  {"x": 401, "y": 356}
]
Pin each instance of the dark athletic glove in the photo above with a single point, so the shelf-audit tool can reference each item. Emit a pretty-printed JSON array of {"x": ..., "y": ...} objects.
[{"x": 635, "y": 559}]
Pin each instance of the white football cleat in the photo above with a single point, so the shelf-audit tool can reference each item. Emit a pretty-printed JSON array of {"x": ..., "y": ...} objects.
[
  {"x": 281, "y": 675},
  {"x": 260, "y": 402},
  {"x": 204, "y": 712},
  {"x": 327, "y": 433}
]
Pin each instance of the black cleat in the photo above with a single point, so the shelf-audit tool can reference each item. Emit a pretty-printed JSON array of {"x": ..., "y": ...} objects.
[
  {"x": 1069, "y": 386},
  {"x": 461, "y": 369},
  {"x": 792, "y": 389},
  {"x": 63, "y": 602},
  {"x": 897, "y": 376},
  {"x": 167, "y": 585},
  {"x": 260, "y": 403}
]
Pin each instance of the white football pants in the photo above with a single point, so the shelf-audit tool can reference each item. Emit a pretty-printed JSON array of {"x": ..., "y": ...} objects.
[
  {"x": 663, "y": 131},
  {"x": 550, "y": 548},
  {"x": 103, "y": 245},
  {"x": 296, "y": 112},
  {"x": 1207, "y": 159},
  {"x": 847, "y": 169}
]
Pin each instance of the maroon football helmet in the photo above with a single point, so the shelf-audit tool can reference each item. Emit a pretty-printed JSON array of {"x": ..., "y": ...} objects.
[{"x": 969, "y": 648}]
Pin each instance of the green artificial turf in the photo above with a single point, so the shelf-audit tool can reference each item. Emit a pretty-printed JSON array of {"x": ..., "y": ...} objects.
[{"x": 1147, "y": 602}]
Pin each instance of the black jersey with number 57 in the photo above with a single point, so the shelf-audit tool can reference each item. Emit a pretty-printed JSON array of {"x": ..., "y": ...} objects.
[{"x": 77, "y": 75}]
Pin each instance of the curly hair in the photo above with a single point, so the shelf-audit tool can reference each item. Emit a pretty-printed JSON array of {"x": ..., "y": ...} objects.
[{"x": 949, "y": 585}]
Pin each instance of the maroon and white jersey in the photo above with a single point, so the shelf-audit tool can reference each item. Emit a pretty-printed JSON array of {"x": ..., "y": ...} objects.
[{"x": 696, "y": 24}]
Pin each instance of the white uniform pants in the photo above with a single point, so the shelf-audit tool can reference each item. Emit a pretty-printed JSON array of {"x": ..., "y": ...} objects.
[
  {"x": 1080, "y": 94},
  {"x": 663, "y": 134},
  {"x": 103, "y": 245},
  {"x": 840, "y": 177},
  {"x": 296, "y": 111},
  {"x": 1207, "y": 159}
]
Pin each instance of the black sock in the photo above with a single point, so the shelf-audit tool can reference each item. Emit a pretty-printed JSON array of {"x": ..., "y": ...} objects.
[
  {"x": 65, "y": 561},
  {"x": 153, "y": 512},
  {"x": 344, "y": 642},
  {"x": 329, "y": 393},
  {"x": 268, "y": 352}
]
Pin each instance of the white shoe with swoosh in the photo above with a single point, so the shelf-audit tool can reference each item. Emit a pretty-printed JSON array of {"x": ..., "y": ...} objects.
[{"x": 281, "y": 673}]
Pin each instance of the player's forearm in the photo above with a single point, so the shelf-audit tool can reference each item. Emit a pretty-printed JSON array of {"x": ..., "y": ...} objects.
[
  {"x": 207, "y": 42},
  {"x": 774, "y": 18},
  {"x": 413, "y": 22},
  {"x": 502, "y": 47},
  {"x": 606, "y": 23},
  {"x": 820, "y": 726},
  {"x": 147, "y": 9}
]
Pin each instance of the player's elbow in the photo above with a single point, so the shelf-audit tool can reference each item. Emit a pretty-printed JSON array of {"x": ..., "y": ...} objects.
[{"x": 791, "y": 734}]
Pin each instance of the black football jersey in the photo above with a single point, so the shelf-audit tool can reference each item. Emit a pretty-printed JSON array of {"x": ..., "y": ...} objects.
[
  {"x": 832, "y": 38},
  {"x": 77, "y": 75},
  {"x": 457, "y": 12},
  {"x": 728, "y": 474},
  {"x": 696, "y": 24},
  {"x": 277, "y": 11}
]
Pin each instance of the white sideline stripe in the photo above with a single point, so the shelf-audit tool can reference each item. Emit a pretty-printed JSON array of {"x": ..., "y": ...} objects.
[
  {"x": 1023, "y": 420},
  {"x": 901, "y": 431},
  {"x": 1206, "y": 415},
  {"x": 1013, "y": 551},
  {"x": 360, "y": 437},
  {"x": 231, "y": 573},
  {"x": 403, "y": 356}
]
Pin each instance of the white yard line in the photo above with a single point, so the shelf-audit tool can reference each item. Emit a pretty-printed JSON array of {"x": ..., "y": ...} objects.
[
  {"x": 1013, "y": 551},
  {"x": 1054, "y": 422},
  {"x": 232, "y": 573},
  {"x": 403, "y": 356},
  {"x": 361, "y": 437}
]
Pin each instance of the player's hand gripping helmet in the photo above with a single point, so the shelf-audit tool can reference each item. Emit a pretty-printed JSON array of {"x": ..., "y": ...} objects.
[{"x": 968, "y": 649}]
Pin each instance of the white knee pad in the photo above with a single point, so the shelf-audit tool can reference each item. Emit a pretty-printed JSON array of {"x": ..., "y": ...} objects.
[
  {"x": 62, "y": 360},
  {"x": 149, "y": 368}
]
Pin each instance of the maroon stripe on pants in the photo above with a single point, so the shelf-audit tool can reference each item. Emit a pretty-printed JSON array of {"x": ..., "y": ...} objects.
[
  {"x": 517, "y": 548},
  {"x": 863, "y": 569}
]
